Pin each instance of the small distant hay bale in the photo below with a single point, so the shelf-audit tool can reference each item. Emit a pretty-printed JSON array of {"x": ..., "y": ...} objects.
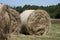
[
  {"x": 55, "y": 21},
  {"x": 9, "y": 21},
  {"x": 35, "y": 22}
]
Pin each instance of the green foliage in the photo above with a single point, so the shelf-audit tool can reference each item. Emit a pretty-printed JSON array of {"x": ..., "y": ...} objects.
[{"x": 53, "y": 10}]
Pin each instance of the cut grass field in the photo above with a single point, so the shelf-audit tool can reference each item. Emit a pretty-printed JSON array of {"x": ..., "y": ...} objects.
[{"x": 54, "y": 34}]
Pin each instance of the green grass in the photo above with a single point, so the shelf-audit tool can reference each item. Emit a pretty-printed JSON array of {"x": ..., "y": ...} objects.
[{"x": 54, "y": 34}]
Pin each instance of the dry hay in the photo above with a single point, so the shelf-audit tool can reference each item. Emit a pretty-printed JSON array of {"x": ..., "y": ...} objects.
[
  {"x": 55, "y": 21},
  {"x": 9, "y": 21},
  {"x": 35, "y": 22}
]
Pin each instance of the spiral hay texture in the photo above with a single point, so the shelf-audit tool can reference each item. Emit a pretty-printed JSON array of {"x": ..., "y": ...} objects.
[
  {"x": 9, "y": 21},
  {"x": 35, "y": 22}
]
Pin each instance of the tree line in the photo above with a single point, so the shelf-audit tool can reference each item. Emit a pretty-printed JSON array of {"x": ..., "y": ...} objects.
[{"x": 53, "y": 10}]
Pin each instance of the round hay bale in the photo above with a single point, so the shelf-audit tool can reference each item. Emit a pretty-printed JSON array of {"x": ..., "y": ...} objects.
[
  {"x": 9, "y": 21},
  {"x": 35, "y": 22}
]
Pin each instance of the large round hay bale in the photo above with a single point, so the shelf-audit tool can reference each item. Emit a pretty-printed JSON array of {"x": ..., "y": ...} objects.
[
  {"x": 9, "y": 21},
  {"x": 35, "y": 22}
]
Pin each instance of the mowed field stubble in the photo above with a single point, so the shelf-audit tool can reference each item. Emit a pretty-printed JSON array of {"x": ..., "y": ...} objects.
[{"x": 54, "y": 34}]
